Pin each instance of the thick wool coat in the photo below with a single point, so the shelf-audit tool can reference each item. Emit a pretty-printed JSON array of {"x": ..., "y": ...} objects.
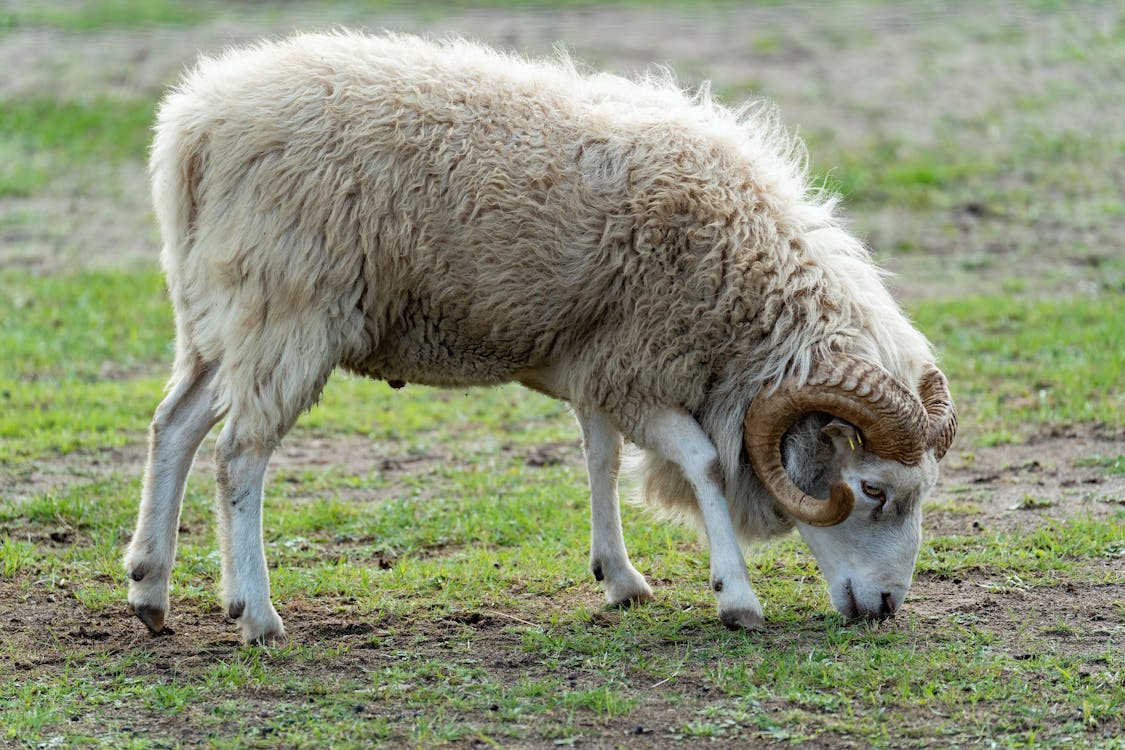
[{"x": 444, "y": 214}]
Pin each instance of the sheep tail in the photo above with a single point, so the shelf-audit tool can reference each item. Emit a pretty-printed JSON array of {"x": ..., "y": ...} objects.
[
  {"x": 176, "y": 166},
  {"x": 177, "y": 163}
]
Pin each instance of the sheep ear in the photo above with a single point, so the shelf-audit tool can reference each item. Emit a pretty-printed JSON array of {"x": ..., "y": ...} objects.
[{"x": 844, "y": 436}]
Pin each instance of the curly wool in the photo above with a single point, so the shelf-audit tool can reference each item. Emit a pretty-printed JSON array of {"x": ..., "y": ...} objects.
[{"x": 442, "y": 213}]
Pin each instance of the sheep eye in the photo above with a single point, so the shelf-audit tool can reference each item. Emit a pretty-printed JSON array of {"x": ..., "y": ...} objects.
[{"x": 873, "y": 492}]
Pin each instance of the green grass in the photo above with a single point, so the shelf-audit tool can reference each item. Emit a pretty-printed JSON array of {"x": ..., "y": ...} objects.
[
  {"x": 87, "y": 353},
  {"x": 1016, "y": 363},
  {"x": 476, "y": 529},
  {"x": 40, "y": 139},
  {"x": 91, "y": 15},
  {"x": 82, "y": 353},
  {"x": 95, "y": 15},
  {"x": 888, "y": 172},
  {"x": 935, "y": 176},
  {"x": 483, "y": 532},
  {"x": 514, "y": 544},
  {"x": 82, "y": 326},
  {"x": 1035, "y": 558},
  {"x": 1112, "y": 465}
]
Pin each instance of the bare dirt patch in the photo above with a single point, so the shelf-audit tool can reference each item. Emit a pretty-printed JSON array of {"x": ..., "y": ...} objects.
[
  {"x": 1069, "y": 619},
  {"x": 1052, "y": 477}
]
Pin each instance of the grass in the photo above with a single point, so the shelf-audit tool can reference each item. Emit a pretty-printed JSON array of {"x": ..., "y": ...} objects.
[
  {"x": 517, "y": 549},
  {"x": 477, "y": 532},
  {"x": 85, "y": 372},
  {"x": 1037, "y": 558},
  {"x": 943, "y": 175},
  {"x": 92, "y": 15},
  {"x": 1016, "y": 363},
  {"x": 482, "y": 536},
  {"x": 42, "y": 139},
  {"x": 435, "y": 579},
  {"x": 79, "y": 367},
  {"x": 95, "y": 15},
  {"x": 885, "y": 170},
  {"x": 1111, "y": 464}
]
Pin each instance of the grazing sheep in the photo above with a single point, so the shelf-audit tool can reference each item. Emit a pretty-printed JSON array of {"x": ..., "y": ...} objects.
[{"x": 443, "y": 214}]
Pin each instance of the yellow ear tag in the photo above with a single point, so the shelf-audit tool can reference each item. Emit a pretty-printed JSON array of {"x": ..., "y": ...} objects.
[
  {"x": 859, "y": 438},
  {"x": 851, "y": 444}
]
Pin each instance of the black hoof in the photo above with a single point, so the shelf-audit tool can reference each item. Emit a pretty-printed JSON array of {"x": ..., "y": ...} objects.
[
  {"x": 152, "y": 617},
  {"x": 742, "y": 619}
]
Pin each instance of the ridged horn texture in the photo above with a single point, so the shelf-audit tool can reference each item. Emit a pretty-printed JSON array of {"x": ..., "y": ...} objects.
[
  {"x": 889, "y": 416},
  {"x": 941, "y": 414}
]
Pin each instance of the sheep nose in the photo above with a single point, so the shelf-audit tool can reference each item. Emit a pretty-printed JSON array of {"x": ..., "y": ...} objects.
[{"x": 889, "y": 606}]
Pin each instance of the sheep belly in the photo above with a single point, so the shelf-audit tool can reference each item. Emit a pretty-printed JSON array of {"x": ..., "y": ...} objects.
[{"x": 421, "y": 350}]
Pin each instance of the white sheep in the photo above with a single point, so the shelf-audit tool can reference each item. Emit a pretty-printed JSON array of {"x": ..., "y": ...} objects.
[{"x": 443, "y": 214}]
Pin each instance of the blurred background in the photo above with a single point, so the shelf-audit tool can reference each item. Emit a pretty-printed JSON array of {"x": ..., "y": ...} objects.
[{"x": 979, "y": 146}]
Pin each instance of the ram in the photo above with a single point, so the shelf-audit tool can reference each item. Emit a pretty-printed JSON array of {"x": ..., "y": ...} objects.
[{"x": 443, "y": 214}]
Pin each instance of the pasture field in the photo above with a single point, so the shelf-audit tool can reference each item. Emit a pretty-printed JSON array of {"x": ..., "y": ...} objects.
[{"x": 428, "y": 549}]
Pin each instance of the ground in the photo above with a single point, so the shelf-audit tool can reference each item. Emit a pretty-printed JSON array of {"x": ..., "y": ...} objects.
[{"x": 428, "y": 548}]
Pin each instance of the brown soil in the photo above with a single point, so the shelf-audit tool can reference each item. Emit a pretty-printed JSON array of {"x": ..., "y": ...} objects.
[{"x": 1051, "y": 477}]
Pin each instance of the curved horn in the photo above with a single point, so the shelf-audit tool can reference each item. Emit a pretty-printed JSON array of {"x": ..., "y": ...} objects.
[
  {"x": 889, "y": 416},
  {"x": 941, "y": 413}
]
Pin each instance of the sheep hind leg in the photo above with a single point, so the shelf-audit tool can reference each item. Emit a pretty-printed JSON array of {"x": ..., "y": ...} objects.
[
  {"x": 240, "y": 468},
  {"x": 677, "y": 437},
  {"x": 180, "y": 423},
  {"x": 254, "y": 427},
  {"x": 609, "y": 560}
]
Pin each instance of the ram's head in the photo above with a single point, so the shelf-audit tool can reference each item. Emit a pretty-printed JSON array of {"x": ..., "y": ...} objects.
[{"x": 862, "y": 514}]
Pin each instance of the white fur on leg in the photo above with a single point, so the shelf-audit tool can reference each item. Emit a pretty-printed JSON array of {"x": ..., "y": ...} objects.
[
  {"x": 677, "y": 437},
  {"x": 181, "y": 422},
  {"x": 609, "y": 559},
  {"x": 246, "y": 585}
]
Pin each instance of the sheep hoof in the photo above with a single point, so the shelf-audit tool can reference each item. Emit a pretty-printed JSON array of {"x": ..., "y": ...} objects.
[
  {"x": 266, "y": 630},
  {"x": 630, "y": 593},
  {"x": 742, "y": 619},
  {"x": 638, "y": 598},
  {"x": 269, "y": 637},
  {"x": 152, "y": 617}
]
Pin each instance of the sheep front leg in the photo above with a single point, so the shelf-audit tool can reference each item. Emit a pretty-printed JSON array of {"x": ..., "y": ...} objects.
[
  {"x": 677, "y": 437},
  {"x": 240, "y": 471},
  {"x": 609, "y": 560}
]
